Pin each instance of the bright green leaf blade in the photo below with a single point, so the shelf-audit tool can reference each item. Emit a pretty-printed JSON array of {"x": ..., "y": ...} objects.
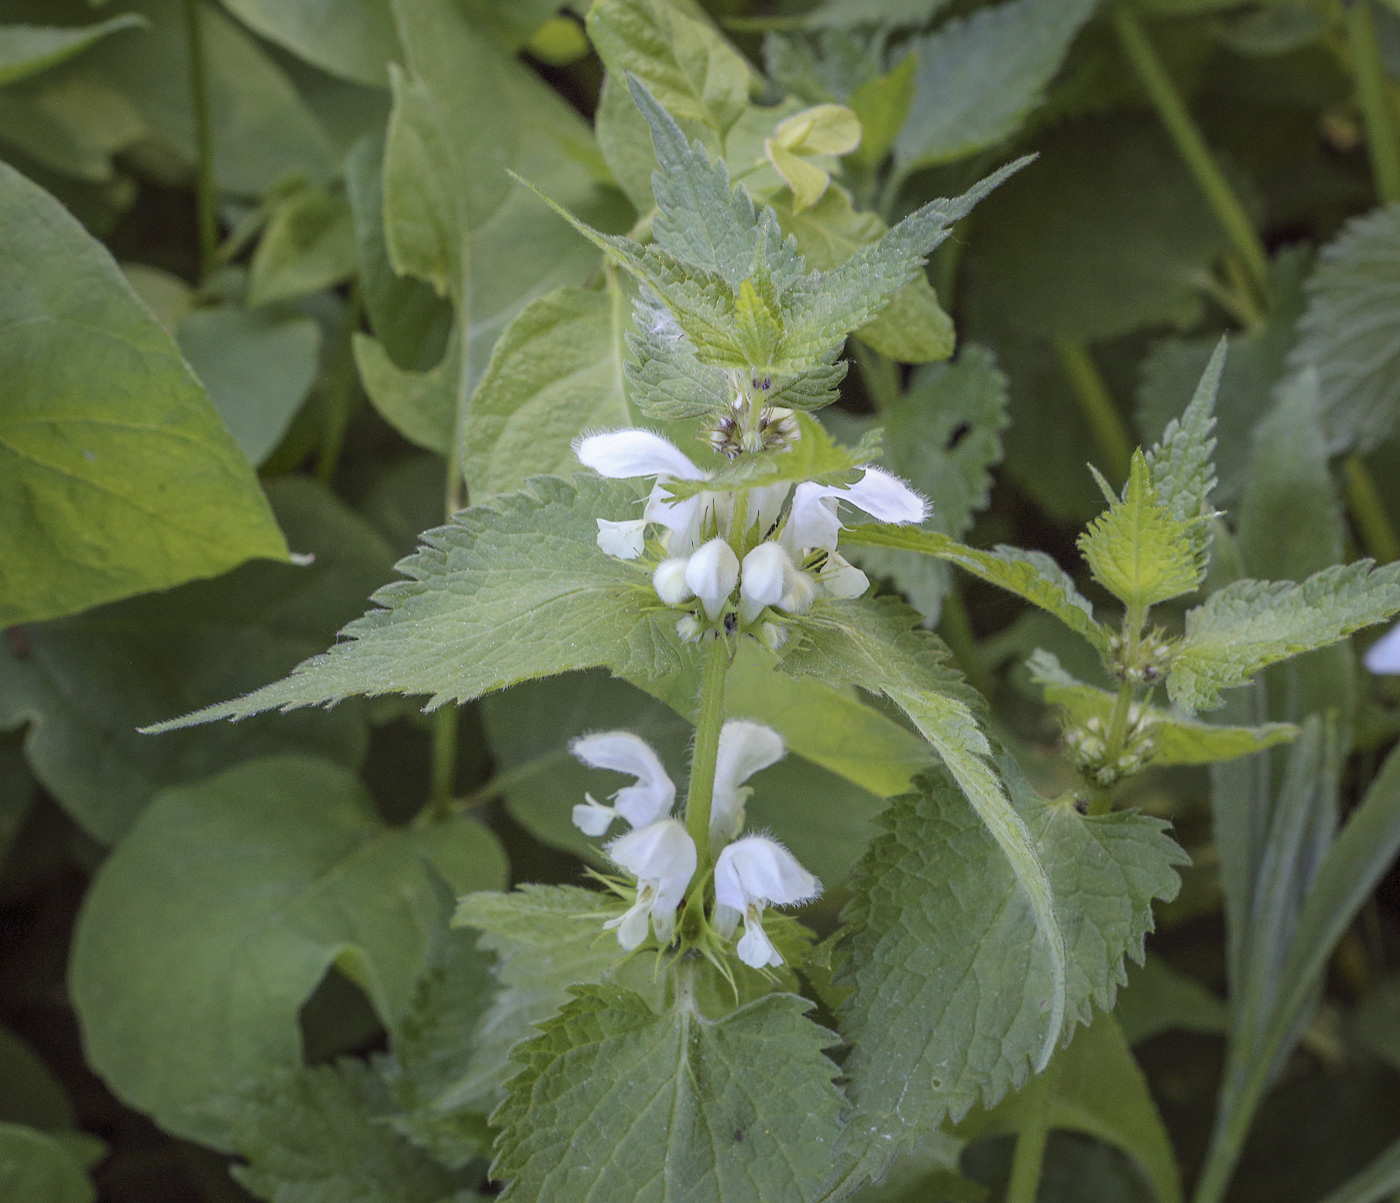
[
  {"x": 421, "y": 406},
  {"x": 667, "y": 1127},
  {"x": 555, "y": 372},
  {"x": 309, "y": 244},
  {"x": 353, "y": 39},
  {"x": 222, "y": 910},
  {"x": 503, "y": 593},
  {"x": 103, "y": 425},
  {"x": 978, "y": 78},
  {"x": 1248, "y": 625},
  {"x": 28, "y": 49},
  {"x": 37, "y": 1168}
]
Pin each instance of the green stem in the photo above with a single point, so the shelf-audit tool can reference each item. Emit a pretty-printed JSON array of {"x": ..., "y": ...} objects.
[
  {"x": 1368, "y": 511},
  {"x": 708, "y": 722},
  {"x": 507, "y": 780},
  {"x": 206, "y": 193},
  {"x": 342, "y": 389},
  {"x": 444, "y": 766},
  {"x": 1182, "y": 129},
  {"x": 1373, "y": 94},
  {"x": 1109, "y": 430},
  {"x": 1036, "y": 1099}
]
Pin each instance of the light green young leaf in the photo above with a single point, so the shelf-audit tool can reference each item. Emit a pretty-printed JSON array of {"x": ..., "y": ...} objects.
[
  {"x": 36, "y": 1167},
  {"x": 420, "y": 405},
  {"x": 672, "y": 47},
  {"x": 1350, "y": 331},
  {"x": 1248, "y": 625},
  {"x": 29, "y": 49},
  {"x": 979, "y": 77},
  {"x": 1139, "y": 550},
  {"x": 502, "y": 593},
  {"x": 258, "y": 366},
  {"x": 353, "y": 39},
  {"x": 1032, "y": 575},
  {"x": 224, "y": 907},
  {"x": 950, "y": 986},
  {"x": 104, "y": 423},
  {"x": 321, "y": 1134},
  {"x": 85, "y": 684},
  {"x": 309, "y": 244},
  {"x": 741, "y": 1107},
  {"x": 556, "y": 372},
  {"x": 1175, "y": 739}
]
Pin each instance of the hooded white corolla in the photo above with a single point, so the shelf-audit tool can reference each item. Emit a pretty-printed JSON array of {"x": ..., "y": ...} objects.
[
  {"x": 745, "y": 748},
  {"x": 749, "y": 874},
  {"x": 1383, "y": 656},
  {"x": 662, "y": 858},
  {"x": 711, "y": 574},
  {"x": 643, "y": 802}
]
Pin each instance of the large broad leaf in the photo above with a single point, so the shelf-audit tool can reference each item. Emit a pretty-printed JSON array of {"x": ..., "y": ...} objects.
[
  {"x": 219, "y": 914},
  {"x": 103, "y": 428},
  {"x": 503, "y": 593},
  {"x": 950, "y": 988},
  {"x": 354, "y": 39},
  {"x": 26, "y": 49},
  {"x": 85, "y": 684},
  {"x": 978, "y": 78},
  {"x": 37, "y": 1168},
  {"x": 741, "y": 1107}
]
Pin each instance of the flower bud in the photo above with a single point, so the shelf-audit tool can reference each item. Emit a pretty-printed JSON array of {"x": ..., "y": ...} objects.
[{"x": 669, "y": 581}]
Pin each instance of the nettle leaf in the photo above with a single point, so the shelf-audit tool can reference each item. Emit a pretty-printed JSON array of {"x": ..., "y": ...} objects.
[
  {"x": 1350, "y": 331},
  {"x": 38, "y": 1167},
  {"x": 321, "y": 1134},
  {"x": 503, "y": 593},
  {"x": 1139, "y": 550},
  {"x": 556, "y": 371},
  {"x": 28, "y": 49},
  {"x": 979, "y": 77},
  {"x": 104, "y": 423},
  {"x": 1032, "y": 575},
  {"x": 85, "y": 684},
  {"x": 218, "y": 915},
  {"x": 674, "y": 50},
  {"x": 739, "y": 1107},
  {"x": 353, "y": 39},
  {"x": 1175, "y": 739},
  {"x": 1248, "y": 625},
  {"x": 309, "y": 244},
  {"x": 950, "y": 988}
]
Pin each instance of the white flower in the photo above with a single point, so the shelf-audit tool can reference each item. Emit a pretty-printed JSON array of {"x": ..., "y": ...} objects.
[
  {"x": 644, "y": 802},
  {"x": 812, "y": 521},
  {"x": 669, "y": 582},
  {"x": 1383, "y": 656},
  {"x": 745, "y": 748},
  {"x": 662, "y": 858},
  {"x": 749, "y": 874},
  {"x": 843, "y": 579},
  {"x": 767, "y": 569},
  {"x": 688, "y": 628},
  {"x": 625, "y": 540},
  {"x": 712, "y": 572}
]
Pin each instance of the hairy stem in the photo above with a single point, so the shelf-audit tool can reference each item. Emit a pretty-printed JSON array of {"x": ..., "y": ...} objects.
[
  {"x": 1368, "y": 512},
  {"x": 343, "y": 384},
  {"x": 1036, "y": 1099},
  {"x": 443, "y": 782},
  {"x": 1183, "y": 131},
  {"x": 206, "y": 194},
  {"x": 1373, "y": 95},
  {"x": 708, "y": 722},
  {"x": 1110, "y": 431}
]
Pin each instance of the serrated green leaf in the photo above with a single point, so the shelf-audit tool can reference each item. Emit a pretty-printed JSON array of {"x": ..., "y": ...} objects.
[
  {"x": 224, "y": 907},
  {"x": 103, "y": 424},
  {"x": 353, "y": 39},
  {"x": 1248, "y": 625},
  {"x": 1139, "y": 550},
  {"x": 1350, "y": 331},
  {"x": 979, "y": 77},
  {"x": 37, "y": 1168},
  {"x": 502, "y": 593},
  {"x": 950, "y": 987},
  {"x": 28, "y": 49},
  {"x": 309, "y": 244},
  {"x": 1032, "y": 575},
  {"x": 708, "y": 1110},
  {"x": 316, "y": 1135},
  {"x": 1175, "y": 740}
]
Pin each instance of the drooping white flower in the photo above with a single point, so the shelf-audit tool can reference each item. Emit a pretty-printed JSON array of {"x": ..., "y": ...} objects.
[
  {"x": 669, "y": 582},
  {"x": 745, "y": 748},
  {"x": 843, "y": 579},
  {"x": 625, "y": 540},
  {"x": 1383, "y": 656},
  {"x": 749, "y": 874},
  {"x": 662, "y": 858},
  {"x": 813, "y": 521},
  {"x": 712, "y": 572},
  {"x": 644, "y": 802},
  {"x": 763, "y": 579}
]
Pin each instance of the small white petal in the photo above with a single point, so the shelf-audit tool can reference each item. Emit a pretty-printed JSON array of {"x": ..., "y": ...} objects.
[
  {"x": 669, "y": 582},
  {"x": 886, "y": 498},
  {"x": 653, "y": 794},
  {"x": 726, "y": 919},
  {"x": 744, "y": 749},
  {"x": 759, "y": 869},
  {"x": 801, "y": 592},
  {"x": 662, "y": 852},
  {"x": 842, "y": 579},
  {"x": 593, "y": 818},
  {"x": 631, "y": 925},
  {"x": 763, "y": 579},
  {"x": 1383, "y": 656},
  {"x": 712, "y": 573},
  {"x": 766, "y": 504},
  {"x": 772, "y": 636},
  {"x": 688, "y": 628},
  {"x": 756, "y": 949},
  {"x": 625, "y": 453},
  {"x": 625, "y": 540},
  {"x": 812, "y": 519}
]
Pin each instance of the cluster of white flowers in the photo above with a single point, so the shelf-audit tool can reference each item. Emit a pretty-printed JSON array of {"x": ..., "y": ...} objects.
[
  {"x": 794, "y": 561},
  {"x": 750, "y": 873}
]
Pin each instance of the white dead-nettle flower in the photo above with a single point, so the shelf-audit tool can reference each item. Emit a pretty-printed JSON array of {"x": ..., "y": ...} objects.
[
  {"x": 1383, "y": 656},
  {"x": 625, "y": 540},
  {"x": 711, "y": 574},
  {"x": 745, "y": 748},
  {"x": 645, "y": 801},
  {"x": 669, "y": 582},
  {"x": 750, "y": 874},
  {"x": 662, "y": 858},
  {"x": 767, "y": 572}
]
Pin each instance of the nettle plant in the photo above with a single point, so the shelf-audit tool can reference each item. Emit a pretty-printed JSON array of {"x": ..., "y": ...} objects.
[{"x": 672, "y": 1029}]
